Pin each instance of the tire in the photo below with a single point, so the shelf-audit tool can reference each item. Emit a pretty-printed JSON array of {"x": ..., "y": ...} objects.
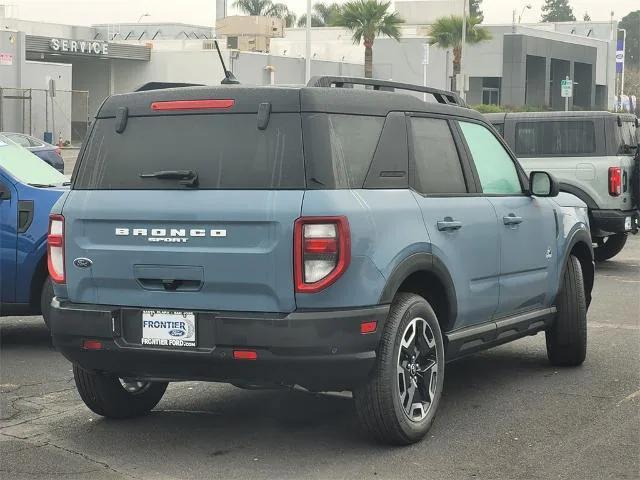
[
  {"x": 106, "y": 395},
  {"x": 609, "y": 247},
  {"x": 46, "y": 295},
  {"x": 567, "y": 336},
  {"x": 381, "y": 407}
]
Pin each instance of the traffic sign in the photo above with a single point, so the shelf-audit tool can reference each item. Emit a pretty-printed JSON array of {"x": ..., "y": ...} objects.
[{"x": 566, "y": 88}]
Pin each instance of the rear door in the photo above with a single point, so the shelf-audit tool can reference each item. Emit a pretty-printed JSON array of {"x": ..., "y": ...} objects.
[
  {"x": 225, "y": 243},
  {"x": 460, "y": 224},
  {"x": 526, "y": 224},
  {"x": 8, "y": 238}
]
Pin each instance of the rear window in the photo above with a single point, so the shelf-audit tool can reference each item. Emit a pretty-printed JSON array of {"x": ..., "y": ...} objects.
[
  {"x": 227, "y": 151},
  {"x": 555, "y": 138}
]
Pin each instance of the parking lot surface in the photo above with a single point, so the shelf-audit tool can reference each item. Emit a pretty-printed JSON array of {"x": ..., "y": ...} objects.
[{"x": 505, "y": 413}]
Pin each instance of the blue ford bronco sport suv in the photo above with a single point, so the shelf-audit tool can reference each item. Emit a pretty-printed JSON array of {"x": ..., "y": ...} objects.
[{"x": 328, "y": 237}]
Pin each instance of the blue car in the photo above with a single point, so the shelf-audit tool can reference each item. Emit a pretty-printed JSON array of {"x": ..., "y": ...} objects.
[
  {"x": 47, "y": 152},
  {"x": 28, "y": 190}
]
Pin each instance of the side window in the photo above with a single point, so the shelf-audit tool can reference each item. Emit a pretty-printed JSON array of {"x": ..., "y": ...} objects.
[
  {"x": 497, "y": 172},
  {"x": 500, "y": 128},
  {"x": 20, "y": 140},
  {"x": 555, "y": 138},
  {"x": 437, "y": 164}
]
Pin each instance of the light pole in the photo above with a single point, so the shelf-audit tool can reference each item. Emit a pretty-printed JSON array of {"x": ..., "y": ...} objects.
[
  {"x": 425, "y": 62},
  {"x": 464, "y": 40},
  {"x": 307, "y": 63},
  {"x": 526, "y": 7}
]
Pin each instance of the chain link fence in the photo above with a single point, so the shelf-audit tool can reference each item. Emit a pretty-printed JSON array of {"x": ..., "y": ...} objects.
[{"x": 33, "y": 111}]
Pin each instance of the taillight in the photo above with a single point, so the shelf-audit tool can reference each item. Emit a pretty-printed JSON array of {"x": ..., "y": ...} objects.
[
  {"x": 615, "y": 181},
  {"x": 322, "y": 251},
  {"x": 55, "y": 248}
]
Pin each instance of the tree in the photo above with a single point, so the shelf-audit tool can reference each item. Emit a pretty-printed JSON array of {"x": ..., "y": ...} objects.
[
  {"x": 586, "y": 17},
  {"x": 266, "y": 8},
  {"x": 557, "y": 11},
  {"x": 474, "y": 9},
  {"x": 368, "y": 19},
  {"x": 631, "y": 23},
  {"x": 323, "y": 15},
  {"x": 446, "y": 32}
]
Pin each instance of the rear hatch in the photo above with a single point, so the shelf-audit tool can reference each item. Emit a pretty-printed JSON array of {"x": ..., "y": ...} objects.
[
  {"x": 221, "y": 241},
  {"x": 626, "y": 143}
]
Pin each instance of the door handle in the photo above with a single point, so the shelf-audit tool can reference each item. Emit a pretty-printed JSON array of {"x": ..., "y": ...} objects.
[
  {"x": 449, "y": 224},
  {"x": 512, "y": 219}
]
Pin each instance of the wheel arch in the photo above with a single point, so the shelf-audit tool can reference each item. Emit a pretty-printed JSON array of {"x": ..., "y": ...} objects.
[
  {"x": 40, "y": 274},
  {"x": 581, "y": 194},
  {"x": 426, "y": 275}
]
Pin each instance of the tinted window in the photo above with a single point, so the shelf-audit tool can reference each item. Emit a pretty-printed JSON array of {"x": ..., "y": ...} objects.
[
  {"x": 626, "y": 137},
  {"x": 437, "y": 165},
  {"x": 555, "y": 138},
  {"x": 497, "y": 172},
  {"x": 500, "y": 128},
  {"x": 339, "y": 148},
  {"x": 227, "y": 152}
]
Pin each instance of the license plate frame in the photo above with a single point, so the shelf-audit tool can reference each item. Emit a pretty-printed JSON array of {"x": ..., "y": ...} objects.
[{"x": 168, "y": 328}]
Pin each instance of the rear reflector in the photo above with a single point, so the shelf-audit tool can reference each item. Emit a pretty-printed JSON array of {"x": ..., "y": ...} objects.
[
  {"x": 192, "y": 105},
  {"x": 92, "y": 345},
  {"x": 245, "y": 355},
  {"x": 368, "y": 327},
  {"x": 615, "y": 181}
]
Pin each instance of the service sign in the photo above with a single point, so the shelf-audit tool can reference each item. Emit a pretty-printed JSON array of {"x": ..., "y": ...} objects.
[{"x": 87, "y": 47}]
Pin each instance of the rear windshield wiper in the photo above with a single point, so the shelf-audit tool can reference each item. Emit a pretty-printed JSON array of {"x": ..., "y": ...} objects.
[{"x": 188, "y": 178}]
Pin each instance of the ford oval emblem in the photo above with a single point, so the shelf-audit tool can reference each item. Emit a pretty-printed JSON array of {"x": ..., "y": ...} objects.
[
  {"x": 82, "y": 262},
  {"x": 177, "y": 333}
]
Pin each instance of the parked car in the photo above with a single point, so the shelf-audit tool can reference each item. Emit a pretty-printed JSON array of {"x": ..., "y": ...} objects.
[
  {"x": 332, "y": 238},
  {"x": 28, "y": 190},
  {"x": 594, "y": 155},
  {"x": 47, "y": 152}
]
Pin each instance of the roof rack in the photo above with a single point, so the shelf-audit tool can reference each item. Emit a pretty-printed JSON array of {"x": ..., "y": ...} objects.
[
  {"x": 441, "y": 96},
  {"x": 163, "y": 85}
]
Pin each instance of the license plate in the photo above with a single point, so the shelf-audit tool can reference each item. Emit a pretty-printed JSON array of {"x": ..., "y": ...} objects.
[{"x": 168, "y": 328}]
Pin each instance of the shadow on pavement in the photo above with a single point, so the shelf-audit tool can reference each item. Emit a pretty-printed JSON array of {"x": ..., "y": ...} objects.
[{"x": 24, "y": 331}]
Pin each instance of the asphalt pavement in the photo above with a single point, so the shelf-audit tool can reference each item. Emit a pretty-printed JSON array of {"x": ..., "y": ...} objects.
[{"x": 505, "y": 414}]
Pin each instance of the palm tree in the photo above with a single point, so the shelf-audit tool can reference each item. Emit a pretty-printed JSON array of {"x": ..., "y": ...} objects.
[
  {"x": 368, "y": 19},
  {"x": 266, "y": 8},
  {"x": 447, "y": 33},
  {"x": 323, "y": 15}
]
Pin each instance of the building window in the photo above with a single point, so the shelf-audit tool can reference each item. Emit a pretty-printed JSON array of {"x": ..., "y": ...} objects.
[{"x": 490, "y": 96}]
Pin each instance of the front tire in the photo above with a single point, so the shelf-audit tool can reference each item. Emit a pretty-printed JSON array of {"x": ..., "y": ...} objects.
[
  {"x": 398, "y": 403},
  {"x": 567, "y": 336},
  {"x": 112, "y": 397},
  {"x": 609, "y": 247}
]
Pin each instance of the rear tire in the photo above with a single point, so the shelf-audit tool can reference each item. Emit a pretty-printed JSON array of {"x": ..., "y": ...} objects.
[
  {"x": 609, "y": 247},
  {"x": 107, "y": 396},
  {"x": 398, "y": 403},
  {"x": 567, "y": 336},
  {"x": 46, "y": 295}
]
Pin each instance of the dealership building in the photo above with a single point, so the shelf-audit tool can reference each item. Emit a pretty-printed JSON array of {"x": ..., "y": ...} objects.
[{"x": 54, "y": 77}]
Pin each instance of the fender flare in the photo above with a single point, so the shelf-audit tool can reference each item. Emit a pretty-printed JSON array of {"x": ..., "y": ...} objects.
[
  {"x": 581, "y": 194},
  {"x": 580, "y": 235},
  {"x": 419, "y": 262}
]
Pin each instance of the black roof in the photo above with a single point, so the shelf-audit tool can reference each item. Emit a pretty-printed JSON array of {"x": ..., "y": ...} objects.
[{"x": 282, "y": 99}]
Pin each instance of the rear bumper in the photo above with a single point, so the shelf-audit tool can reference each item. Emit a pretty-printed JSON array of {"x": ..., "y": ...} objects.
[
  {"x": 316, "y": 349},
  {"x": 604, "y": 222}
]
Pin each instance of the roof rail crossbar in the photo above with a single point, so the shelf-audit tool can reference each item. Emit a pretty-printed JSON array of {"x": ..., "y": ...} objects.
[
  {"x": 441, "y": 96},
  {"x": 163, "y": 85}
]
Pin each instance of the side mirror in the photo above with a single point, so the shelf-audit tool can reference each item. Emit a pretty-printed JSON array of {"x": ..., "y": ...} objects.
[{"x": 542, "y": 184}]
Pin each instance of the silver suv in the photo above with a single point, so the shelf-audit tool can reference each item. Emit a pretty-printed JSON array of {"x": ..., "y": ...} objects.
[{"x": 594, "y": 156}]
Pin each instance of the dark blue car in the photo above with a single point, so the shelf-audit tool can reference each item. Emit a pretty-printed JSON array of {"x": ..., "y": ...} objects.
[
  {"x": 28, "y": 190},
  {"x": 47, "y": 152}
]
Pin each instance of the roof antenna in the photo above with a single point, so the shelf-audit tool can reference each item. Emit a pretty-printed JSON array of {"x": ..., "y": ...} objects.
[{"x": 228, "y": 79}]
